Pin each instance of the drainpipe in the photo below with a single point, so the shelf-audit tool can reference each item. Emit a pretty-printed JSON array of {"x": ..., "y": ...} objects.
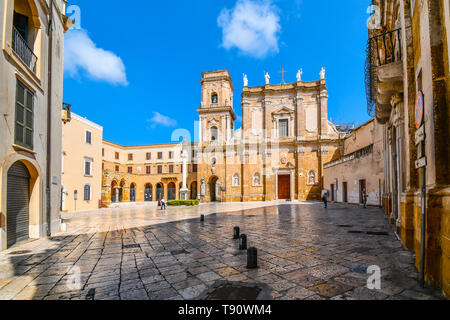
[{"x": 49, "y": 118}]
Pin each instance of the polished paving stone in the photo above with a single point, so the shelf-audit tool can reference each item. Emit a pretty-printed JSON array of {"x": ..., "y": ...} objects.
[{"x": 139, "y": 253}]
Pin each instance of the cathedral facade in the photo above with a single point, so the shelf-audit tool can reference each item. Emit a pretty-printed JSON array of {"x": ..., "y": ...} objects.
[{"x": 278, "y": 153}]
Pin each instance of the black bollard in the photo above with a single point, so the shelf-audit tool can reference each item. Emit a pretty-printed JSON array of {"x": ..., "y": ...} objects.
[
  {"x": 236, "y": 233},
  {"x": 202, "y": 218},
  {"x": 252, "y": 258},
  {"x": 243, "y": 242}
]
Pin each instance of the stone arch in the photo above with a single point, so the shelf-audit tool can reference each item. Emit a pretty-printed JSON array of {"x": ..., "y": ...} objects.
[
  {"x": 133, "y": 190},
  {"x": 193, "y": 190},
  {"x": 171, "y": 191},
  {"x": 214, "y": 188},
  {"x": 148, "y": 192},
  {"x": 35, "y": 196},
  {"x": 214, "y": 97}
]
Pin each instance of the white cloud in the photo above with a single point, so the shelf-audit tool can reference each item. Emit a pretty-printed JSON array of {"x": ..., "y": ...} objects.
[
  {"x": 81, "y": 53},
  {"x": 251, "y": 26},
  {"x": 159, "y": 119}
]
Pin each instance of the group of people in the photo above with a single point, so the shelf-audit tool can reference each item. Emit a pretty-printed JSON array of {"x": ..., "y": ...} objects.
[{"x": 325, "y": 197}]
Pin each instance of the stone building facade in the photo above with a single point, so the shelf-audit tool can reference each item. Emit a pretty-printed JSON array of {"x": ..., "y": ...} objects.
[
  {"x": 279, "y": 152},
  {"x": 30, "y": 129},
  {"x": 81, "y": 170},
  {"x": 360, "y": 168},
  {"x": 409, "y": 58}
]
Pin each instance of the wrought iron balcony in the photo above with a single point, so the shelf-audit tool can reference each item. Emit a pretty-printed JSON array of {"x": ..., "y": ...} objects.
[
  {"x": 66, "y": 113},
  {"x": 22, "y": 49},
  {"x": 383, "y": 51}
]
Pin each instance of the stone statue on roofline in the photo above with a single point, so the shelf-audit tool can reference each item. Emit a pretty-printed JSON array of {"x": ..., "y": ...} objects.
[
  {"x": 299, "y": 75},
  {"x": 322, "y": 73},
  {"x": 245, "y": 80},
  {"x": 267, "y": 77}
]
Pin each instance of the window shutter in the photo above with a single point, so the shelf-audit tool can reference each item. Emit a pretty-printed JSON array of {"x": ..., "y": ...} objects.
[{"x": 24, "y": 116}]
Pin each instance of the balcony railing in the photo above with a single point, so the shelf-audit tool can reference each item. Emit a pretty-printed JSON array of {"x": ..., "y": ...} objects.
[
  {"x": 382, "y": 49},
  {"x": 388, "y": 47},
  {"x": 22, "y": 49}
]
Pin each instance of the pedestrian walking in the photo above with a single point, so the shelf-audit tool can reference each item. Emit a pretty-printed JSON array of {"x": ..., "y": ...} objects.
[
  {"x": 325, "y": 197},
  {"x": 365, "y": 196},
  {"x": 163, "y": 204}
]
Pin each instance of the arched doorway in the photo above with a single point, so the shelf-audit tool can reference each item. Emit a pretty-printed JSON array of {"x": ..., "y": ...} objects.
[
  {"x": 159, "y": 191},
  {"x": 148, "y": 193},
  {"x": 133, "y": 192},
  {"x": 122, "y": 186},
  {"x": 18, "y": 204},
  {"x": 194, "y": 190},
  {"x": 214, "y": 188},
  {"x": 114, "y": 191},
  {"x": 171, "y": 191}
]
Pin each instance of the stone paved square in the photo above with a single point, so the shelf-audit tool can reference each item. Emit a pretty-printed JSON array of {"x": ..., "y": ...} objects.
[{"x": 305, "y": 252}]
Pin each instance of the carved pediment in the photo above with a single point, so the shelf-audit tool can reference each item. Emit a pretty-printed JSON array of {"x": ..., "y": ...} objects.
[
  {"x": 283, "y": 111},
  {"x": 213, "y": 123}
]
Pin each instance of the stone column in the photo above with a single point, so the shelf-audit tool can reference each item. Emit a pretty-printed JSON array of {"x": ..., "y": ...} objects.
[{"x": 184, "y": 192}]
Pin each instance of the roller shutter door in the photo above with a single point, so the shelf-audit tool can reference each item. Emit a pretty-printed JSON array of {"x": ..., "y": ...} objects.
[{"x": 18, "y": 202}]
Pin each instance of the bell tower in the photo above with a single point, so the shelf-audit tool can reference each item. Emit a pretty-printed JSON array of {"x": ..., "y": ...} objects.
[{"x": 216, "y": 109}]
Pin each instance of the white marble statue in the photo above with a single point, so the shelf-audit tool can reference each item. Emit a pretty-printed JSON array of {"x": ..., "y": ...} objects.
[
  {"x": 245, "y": 80},
  {"x": 322, "y": 73},
  {"x": 267, "y": 77},
  {"x": 299, "y": 75}
]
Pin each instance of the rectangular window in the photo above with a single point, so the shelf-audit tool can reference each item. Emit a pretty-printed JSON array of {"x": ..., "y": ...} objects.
[
  {"x": 130, "y": 157},
  {"x": 117, "y": 156},
  {"x": 160, "y": 154},
  {"x": 130, "y": 169},
  {"x": 149, "y": 156},
  {"x": 171, "y": 169},
  {"x": 88, "y": 137},
  {"x": 88, "y": 167},
  {"x": 170, "y": 154},
  {"x": 87, "y": 192},
  {"x": 148, "y": 170},
  {"x": 103, "y": 152},
  {"x": 284, "y": 128},
  {"x": 117, "y": 168},
  {"x": 159, "y": 169},
  {"x": 103, "y": 166},
  {"x": 194, "y": 168},
  {"x": 24, "y": 116}
]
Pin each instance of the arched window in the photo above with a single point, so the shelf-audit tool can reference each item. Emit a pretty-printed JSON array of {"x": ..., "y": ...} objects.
[
  {"x": 214, "y": 98},
  {"x": 214, "y": 134},
  {"x": 256, "y": 180},
  {"x": 87, "y": 192},
  {"x": 236, "y": 180},
  {"x": 24, "y": 32}
]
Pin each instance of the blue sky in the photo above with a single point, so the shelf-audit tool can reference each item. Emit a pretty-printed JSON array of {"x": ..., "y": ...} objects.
[{"x": 135, "y": 68}]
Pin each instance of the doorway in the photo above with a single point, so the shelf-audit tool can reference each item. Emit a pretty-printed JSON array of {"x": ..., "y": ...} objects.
[
  {"x": 213, "y": 188},
  {"x": 18, "y": 204},
  {"x": 362, "y": 188},
  {"x": 133, "y": 193},
  {"x": 344, "y": 192},
  {"x": 148, "y": 193},
  {"x": 332, "y": 192},
  {"x": 284, "y": 187}
]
